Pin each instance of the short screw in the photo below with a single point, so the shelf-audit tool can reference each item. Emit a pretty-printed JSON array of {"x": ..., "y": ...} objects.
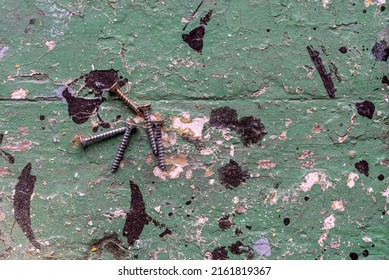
[
  {"x": 99, "y": 137},
  {"x": 122, "y": 147},
  {"x": 145, "y": 110},
  {"x": 158, "y": 138},
  {"x": 116, "y": 89}
]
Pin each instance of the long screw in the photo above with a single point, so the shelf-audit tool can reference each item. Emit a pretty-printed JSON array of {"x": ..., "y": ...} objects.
[
  {"x": 116, "y": 89},
  {"x": 158, "y": 138},
  {"x": 122, "y": 147},
  {"x": 145, "y": 110},
  {"x": 99, "y": 137}
]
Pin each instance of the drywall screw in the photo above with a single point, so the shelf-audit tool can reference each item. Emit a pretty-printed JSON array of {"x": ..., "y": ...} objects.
[
  {"x": 145, "y": 110},
  {"x": 116, "y": 89},
  {"x": 99, "y": 137},
  {"x": 122, "y": 147},
  {"x": 158, "y": 138}
]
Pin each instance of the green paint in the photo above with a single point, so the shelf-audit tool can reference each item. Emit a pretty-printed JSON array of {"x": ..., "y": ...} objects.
[{"x": 268, "y": 75}]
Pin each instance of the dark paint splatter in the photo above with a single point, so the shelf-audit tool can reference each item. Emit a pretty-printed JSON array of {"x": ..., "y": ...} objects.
[
  {"x": 343, "y": 50},
  {"x": 225, "y": 222},
  {"x": 137, "y": 217},
  {"x": 362, "y": 167},
  {"x": 166, "y": 231},
  {"x": 8, "y": 156},
  {"x": 232, "y": 175},
  {"x": 306, "y": 198},
  {"x": 251, "y": 130},
  {"x": 365, "y": 108},
  {"x": 353, "y": 256},
  {"x": 382, "y": 8},
  {"x": 238, "y": 231},
  {"x": 112, "y": 243},
  {"x": 286, "y": 221},
  {"x": 101, "y": 80},
  {"x": 42, "y": 117},
  {"x": 237, "y": 248},
  {"x": 381, "y": 177},
  {"x": 22, "y": 198},
  {"x": 32, "y": 21},
  {"x": 365, "y": 253},
  {"x": 195, "y": 37},
  {"x": 380, "y": 51},
  {"x": 248, "y": 227},
  {"x": 325, "y": 77},
  {"x": 81, "y": 109},
  {"x": 1, "y": 137},
  {"x": 224, "y": 117},
  {"x": 385, "y": 80},
  {"x": 220, "y": 253}
]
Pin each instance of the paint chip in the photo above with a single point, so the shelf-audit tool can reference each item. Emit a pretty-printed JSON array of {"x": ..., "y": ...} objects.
[
  {"x": 190, "y": 128},
  {"x": 266, "y": 164},
  {"x": 329, "y": 222},
  {"x": 19, "y": 93},
  {"x": 262, "y": 247},
  {"x": 337, "y": 205},
  {"x": 351, "y": 179},
  {"x": 315, "y": 177}
]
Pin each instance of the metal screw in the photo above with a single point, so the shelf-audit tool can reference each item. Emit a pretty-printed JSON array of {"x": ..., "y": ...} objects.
[
  {"x": 116, "y": 89},
  {"x": 158, "y": 138},
  {"x": 99, "y": 137},
  {"x": 122, "y": 147},
  {"x": 145, "y": 110}
]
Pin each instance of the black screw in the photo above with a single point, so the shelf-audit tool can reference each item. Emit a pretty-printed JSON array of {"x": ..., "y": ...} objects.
[
  {"x": 99, "y": 137},
  {"x": 145, "y": 110},
  {"x": 158, "y": 139},
  {"x": 122, "y": 147}
]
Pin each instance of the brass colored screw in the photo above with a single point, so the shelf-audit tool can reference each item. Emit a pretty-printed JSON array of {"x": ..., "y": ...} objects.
[
  {"x": 158, "y": 138},
  {"x": 99, "y": 137},
  {"x": 145, "y": 110},
  {"x": 122, "y": 147},
  {"x": 116, "y": 89}
]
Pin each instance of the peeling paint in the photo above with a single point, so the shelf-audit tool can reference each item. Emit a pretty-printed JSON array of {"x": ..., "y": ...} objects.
[
  {"x": 19, "y": 146},
  {"x": 351, "y": 179},
  {"x": 19, "y": 93},
  {"x": 3, "y": 50},
  {"x": 189, "y": 128},
  {"x": 374, "y": 2},
  {"x": 337, "y": 205},
  {"x": 385, "y": 193},
  {"x": 315, "y": 177},
  {"x": 5, "y": 171},
  {"x": 329, "y": 222},
  {"x": 266, "y": 164}
]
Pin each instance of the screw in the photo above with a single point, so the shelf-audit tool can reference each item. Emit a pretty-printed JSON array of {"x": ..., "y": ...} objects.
[
  {"x": 122, "y": 147},
  {"x": 145, "y": 110},
  {"x": 158, "y": 138},
  {"x": 99, "y": 137},
  {"x": 116, "y": 89}
]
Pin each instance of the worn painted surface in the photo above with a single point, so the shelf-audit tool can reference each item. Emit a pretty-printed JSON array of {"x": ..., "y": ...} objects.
[{"x": 280, "y": 164}]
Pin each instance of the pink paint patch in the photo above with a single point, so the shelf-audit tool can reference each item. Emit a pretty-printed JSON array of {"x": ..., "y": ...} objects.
[
  {"x": 18, "y": 146},
  {"x": 329, "y": 222},
  {"x": 5, "y": 171},
  {"x": 266, "y": 164}
]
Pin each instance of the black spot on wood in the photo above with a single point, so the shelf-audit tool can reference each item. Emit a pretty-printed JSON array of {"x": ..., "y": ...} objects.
[
  {"x": 237, "y": 248},
  {"x": 195, "y": 37},
  {"x": 165, "y": 232},
  {"x": 101, "y": 80},
  {"x": 353, "y": 256},
  {"x": 137, "y": 217},
  {"x": 220, "y": 253},
  {"x": 8, "y": 156},
  {"x": 385, "y": 80},
  {"x": 325, "y": 77},
  {"x": 343, "y": 50},
  {"x": 80, "y": 109},
  {"x": 112, "y": 243},
  {"x": 32, "y": 21},
  {"x": 238, "y": 231},
  {"x": 232, "y": 175},
  {"x": 362, "y": 167},
  {"x": 224, "y": 117},
  {"x": 22, "y": 198},
  {"x": 251, "y": 130},
  {"x": 365, "y": 253},
  {"x": 382, "y": 8},
  {"x": 381, "y": 177},
  {"x": 365, "y": 108},
  {"x": 42, "y": 117},
  {"x": 225, "y": 222},
  {"x": 286, "y": 221},
  {"x": 380, "y": 51},
  {"x": 1, "y": 137}
]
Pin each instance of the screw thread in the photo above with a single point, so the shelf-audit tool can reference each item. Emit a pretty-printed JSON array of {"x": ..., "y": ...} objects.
[
  {"x": 160, "y": 150},
  {"x": 122, "y": 147},
  {"x": 102, "y": 136},
  {"x": 150, "y": 132},
  {"x": 125, "y": 99}
]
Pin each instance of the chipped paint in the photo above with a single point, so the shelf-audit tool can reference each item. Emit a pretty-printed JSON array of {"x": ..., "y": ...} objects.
[
  {"x": 19, "y": 93},
  {"x": 385, "y": 193},
  {"x": 352, "y": 178},
  {"x": 266, "y": 164},
  {"x": 3, "y": 50},
  {"x": 50, "y": 45},
  {"x": 329, "y": 222},
  {"x": 190, "y": 128},
  {"x": 374, "y": 2},
  {"x": 337, "y": 205},
  {"x": 19, "y": 146},
  {"x": 305, "y": 154},
  {"x": 313, "y": 178}
]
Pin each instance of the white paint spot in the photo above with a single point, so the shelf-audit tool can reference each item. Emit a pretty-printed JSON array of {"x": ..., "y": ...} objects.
[
  {"x": 202, "y": 220},
  {"x": 288, "y": 123},
  {"x": 337, "y": 205},
  {"x": 325, "y": 3},
  {"x": 385, "y": 193},
  {"x": 351, "y": 179},
  {"x": 175, "y": 172},
  {"x": 367, "y": 239},
  {"x": 283, "y": 135},
  {"x": 50, "y": 45},
  {"x": 329, "y": 222},
  {"x": 262, "y": 90},
  {"x": 315, "y": 177},
  {"x": 192, "y": 128},
  {"x": 19, "y": 93},
  {"x": 322, "y": 239},
  {"x": 206, "y": 151},
  {"x": 372, "y": 2},
  {"x": 3, "y": 50},
  {"x": 232, "y": 150}
]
